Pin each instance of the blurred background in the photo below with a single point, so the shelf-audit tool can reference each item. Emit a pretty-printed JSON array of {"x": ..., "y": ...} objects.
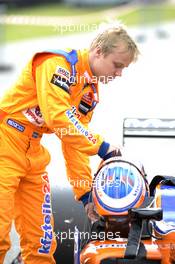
[{"x": 145, "y": 91}]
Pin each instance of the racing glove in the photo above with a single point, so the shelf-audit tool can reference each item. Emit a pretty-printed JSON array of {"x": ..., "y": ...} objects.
[
  {"x": 91, "y": 212},
  {"x": 107, "y": 151},
  {"x": 89, "y": 207}
]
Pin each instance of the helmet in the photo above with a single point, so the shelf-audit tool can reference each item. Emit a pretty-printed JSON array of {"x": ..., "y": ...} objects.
[{"x": 118, "y": 186}]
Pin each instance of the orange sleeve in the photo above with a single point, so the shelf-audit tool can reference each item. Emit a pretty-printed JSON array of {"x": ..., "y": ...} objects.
[
  {"x": 78, "y": 170},
  {"x": 54, "y": 102}
]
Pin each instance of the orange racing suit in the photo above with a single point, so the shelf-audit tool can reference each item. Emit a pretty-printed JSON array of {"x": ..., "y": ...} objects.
[{"x": 52, "y": 95}]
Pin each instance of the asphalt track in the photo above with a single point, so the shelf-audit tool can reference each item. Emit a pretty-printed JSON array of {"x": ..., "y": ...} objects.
[{"x": 145, "y": 90}]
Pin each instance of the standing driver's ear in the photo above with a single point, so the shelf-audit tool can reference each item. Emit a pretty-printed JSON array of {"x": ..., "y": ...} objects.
[{"x": 98, "y": 51}]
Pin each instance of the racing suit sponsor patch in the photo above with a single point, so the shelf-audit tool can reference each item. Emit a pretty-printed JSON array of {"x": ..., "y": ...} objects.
[
  {"x": 79, "y": 127},
  {"x": 34, "y": 116},
  {"x": 75, "y": 112},
  {"x": 61, "y": 82},
  {"x": 16, "y": 125},
  {"x": 46, "y": 239},
  {"x": 36, "y": 135},
  {"x": 63, "y": 72},
  {"x": 86, "y": 103}
]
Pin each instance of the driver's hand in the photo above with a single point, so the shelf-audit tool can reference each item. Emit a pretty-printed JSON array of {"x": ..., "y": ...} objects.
[
  {"x": 115, "y": 148},
  {"x": 91, "y": 212},
  {"x": 113, "y": 151}
]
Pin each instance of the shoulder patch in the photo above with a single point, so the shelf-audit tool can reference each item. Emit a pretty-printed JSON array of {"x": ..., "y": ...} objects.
[
  {"x": 63, "y": 72},
  {"x": 60, "y": 82}
]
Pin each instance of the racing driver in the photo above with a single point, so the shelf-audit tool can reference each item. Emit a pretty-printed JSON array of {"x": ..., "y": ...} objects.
[{"x": 58, "y": 89}]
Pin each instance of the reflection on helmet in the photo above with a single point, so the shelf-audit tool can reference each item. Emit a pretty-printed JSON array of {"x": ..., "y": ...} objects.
[{"x": 118, "y": 186}]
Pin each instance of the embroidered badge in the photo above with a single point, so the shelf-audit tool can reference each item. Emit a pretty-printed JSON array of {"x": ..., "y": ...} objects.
[
  {"x": 60, "y": 82},
  {"x": 63, "y": 72}
]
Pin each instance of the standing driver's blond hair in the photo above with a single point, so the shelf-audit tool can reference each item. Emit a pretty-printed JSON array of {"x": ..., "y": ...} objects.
[{"x": 113, "y": 37}]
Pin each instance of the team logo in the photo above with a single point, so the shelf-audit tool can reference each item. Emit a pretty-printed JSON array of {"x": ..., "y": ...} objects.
[
  {"x": 75, "y": 112},
  {"x": 80, "y": 128},
  {"x": 87, "y": 98},
  {"x": 16, "y": 125},
  {"x": 34, "y": 115},
  {"x": 63, "y": 72},
  {"x": 46, "y": 227},
  {"x": 60, "y": 82}
]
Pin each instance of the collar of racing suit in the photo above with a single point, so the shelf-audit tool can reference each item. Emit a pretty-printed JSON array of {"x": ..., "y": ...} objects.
[{"x": 84, "y": 67}]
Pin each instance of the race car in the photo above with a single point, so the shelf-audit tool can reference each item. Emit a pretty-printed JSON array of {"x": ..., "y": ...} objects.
[{"x": 137, "y": 219}]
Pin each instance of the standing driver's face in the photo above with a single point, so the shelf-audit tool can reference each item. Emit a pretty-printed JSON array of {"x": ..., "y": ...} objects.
[{"x": 110, "y": 66}]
